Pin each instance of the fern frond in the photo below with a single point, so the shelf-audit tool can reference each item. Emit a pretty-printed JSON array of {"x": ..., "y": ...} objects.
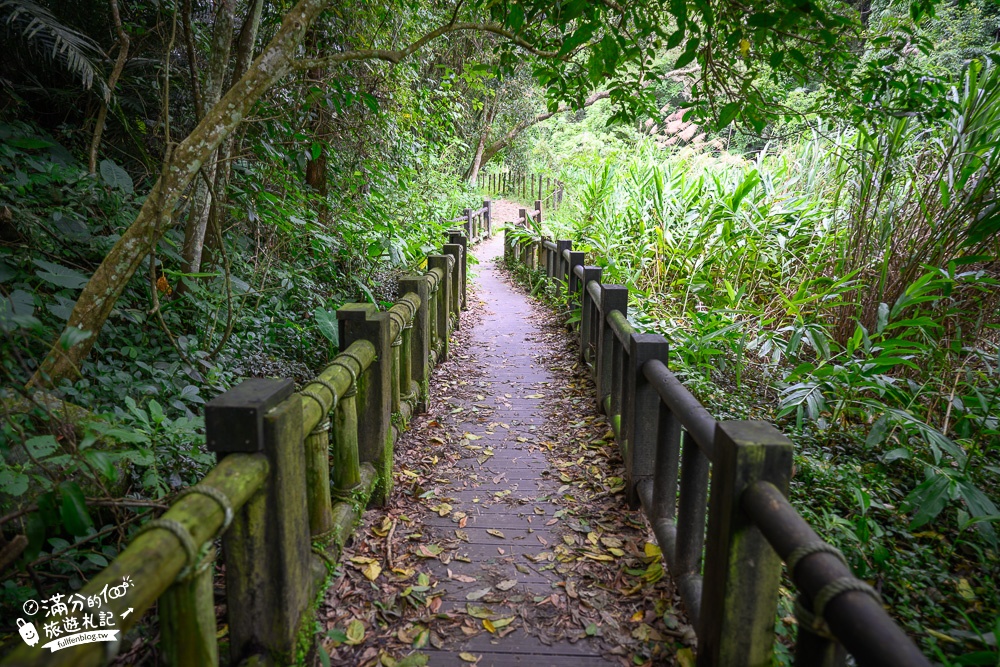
[{"x": 76, "y": 52}]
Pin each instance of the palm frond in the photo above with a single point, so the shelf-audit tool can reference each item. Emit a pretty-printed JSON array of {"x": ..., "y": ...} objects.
[{"x": 74, "y": 51}]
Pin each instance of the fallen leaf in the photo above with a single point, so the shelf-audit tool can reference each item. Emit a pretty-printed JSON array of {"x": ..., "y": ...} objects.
[
  {"x": 429, "y": 550},
  {"x": 371, "y": 571},
  {"x": 355, "y": 633},
  {"x": 685, "y": 658},
  {"x": 476, "y": 611},
  {"x": 413, "y": 660},
  {"x": 468, "y": 657},
  {"x": 506, "y": 584},
  {"x": 476, "y": 595},
  {"x": 495, "y": 533}
]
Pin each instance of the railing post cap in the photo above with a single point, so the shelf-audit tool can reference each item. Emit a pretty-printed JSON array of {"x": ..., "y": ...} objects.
[
  {"x": 356, "y": 311},
  {"x": 744, "y": 433},
  {"x": 234, "y": 420}
]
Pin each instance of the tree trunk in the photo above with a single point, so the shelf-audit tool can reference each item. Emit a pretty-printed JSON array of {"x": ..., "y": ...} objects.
[
  {"x": 204, "y": 197},
  {"x": 477, "y": 160},
  {"x": 244, "y": 55},
  {"x": 99, "y": 295},
  {"x": 102, "y": 115}
]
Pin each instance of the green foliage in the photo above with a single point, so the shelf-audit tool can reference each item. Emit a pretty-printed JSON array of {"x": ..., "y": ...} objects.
[{"x": 840, "y": 278}]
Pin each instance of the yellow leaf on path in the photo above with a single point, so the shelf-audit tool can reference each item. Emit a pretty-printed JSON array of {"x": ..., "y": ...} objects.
[
  {"x": 495, "y": 533},
  {"x": 652, "y": 551},
  {"x": 965, "y": 590},
  {"x": 355, "y": 633},
  {"x": 371, "y": 571},
  {"x": 638, "y": 616},
  {"x": 685, "y": 658},
  {"x": 471, "y": 436},
  {"x": 383, "y": 529},
  {"x": 468, "y": 657},
  {"x": 489, "y": 626},
  {"x": 535, "y": 396}
]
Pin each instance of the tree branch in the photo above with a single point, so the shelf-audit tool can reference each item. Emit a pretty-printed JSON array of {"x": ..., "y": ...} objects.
[{"x": 398, "y": 55}]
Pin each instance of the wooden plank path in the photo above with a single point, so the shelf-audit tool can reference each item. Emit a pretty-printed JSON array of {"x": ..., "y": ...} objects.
[{"x": 523, "y": 576}]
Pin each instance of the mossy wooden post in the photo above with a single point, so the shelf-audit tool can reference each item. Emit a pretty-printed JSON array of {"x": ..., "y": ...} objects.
[
  {"x": 640, "y": 421},
  {"x": 187, "y": 619},
  {"x": 420, "y": 337},
  {"x": 362, "y": 321},
  {"x": 467, "y": 225},
  {"x": 561, "y": 247},
  {"x": 561, "y": 264},
  {"x": 456, "y": 279},
  {"x": 395, "y": 374},
  {"x": 613, "y": 297},
  {"x": 269, "y": 580},
  {"x": 590, "y": 274},
  {"x": 346, "y": 462},
  {"x": 318, "y": 478},
  {"x": 433, "y": 335},
  {"x": 488, "y": 205},
  {"x": 576, "y": 259},
  {"x": 444, "y": 300},
  {"x": 459, "y": 239},
  {"x": 742, "y": 571}
]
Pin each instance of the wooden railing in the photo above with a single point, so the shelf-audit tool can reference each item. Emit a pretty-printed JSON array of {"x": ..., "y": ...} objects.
[
  {"x": 477, "y": 223},
  {"x": 526, "y": 187},
  {"x": 671, "y": 447},
  {"x": 295, "y": 472}
]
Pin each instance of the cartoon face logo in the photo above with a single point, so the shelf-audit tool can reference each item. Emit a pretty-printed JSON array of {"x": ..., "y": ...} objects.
[{"x": 28, "y": 632}]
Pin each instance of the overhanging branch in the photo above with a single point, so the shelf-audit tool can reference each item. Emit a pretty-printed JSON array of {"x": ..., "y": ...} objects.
[{"x": 395, "y": 56}]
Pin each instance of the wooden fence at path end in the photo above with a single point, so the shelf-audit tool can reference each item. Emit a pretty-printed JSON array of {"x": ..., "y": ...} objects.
[
  {"x": 295, "y": 471},
  {"x": 671, "y": 446},
  {"x": 477, "y": 223},
  {"x": 528, "y": 187}
]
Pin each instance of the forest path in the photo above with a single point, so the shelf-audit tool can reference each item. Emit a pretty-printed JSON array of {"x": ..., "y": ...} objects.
[{"x": 508, "y": 541}]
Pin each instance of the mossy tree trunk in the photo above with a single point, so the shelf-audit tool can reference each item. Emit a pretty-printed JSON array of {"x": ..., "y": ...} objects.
[{"x": 180, "y": 167}]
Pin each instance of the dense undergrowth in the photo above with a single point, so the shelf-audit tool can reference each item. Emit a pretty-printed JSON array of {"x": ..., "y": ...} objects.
[
  {"x": 840, "y": 287},
  {"x": 81, "y": 477}
]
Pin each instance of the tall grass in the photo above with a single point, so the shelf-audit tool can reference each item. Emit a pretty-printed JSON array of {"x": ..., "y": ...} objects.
[{"x": 843, "y": 285}]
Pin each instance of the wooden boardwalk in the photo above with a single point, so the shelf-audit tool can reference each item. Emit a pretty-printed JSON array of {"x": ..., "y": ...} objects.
[{"x": 512, "y": 580}]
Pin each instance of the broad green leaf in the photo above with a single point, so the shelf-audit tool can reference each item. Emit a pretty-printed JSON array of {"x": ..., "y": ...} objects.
[
  {"x": 928, "y": 499},
  {"x": 728, "y": 113},
  {"x": 59, "y": 275},
  {"x": 326, "y": 321},
  {"x": 116, "y": 177},
  {"x": 73, "y": 510},
  {"x": 13, "y": 483},
  {"x": 41, "y": 446},
  {"x": 876, "y": 436}
]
